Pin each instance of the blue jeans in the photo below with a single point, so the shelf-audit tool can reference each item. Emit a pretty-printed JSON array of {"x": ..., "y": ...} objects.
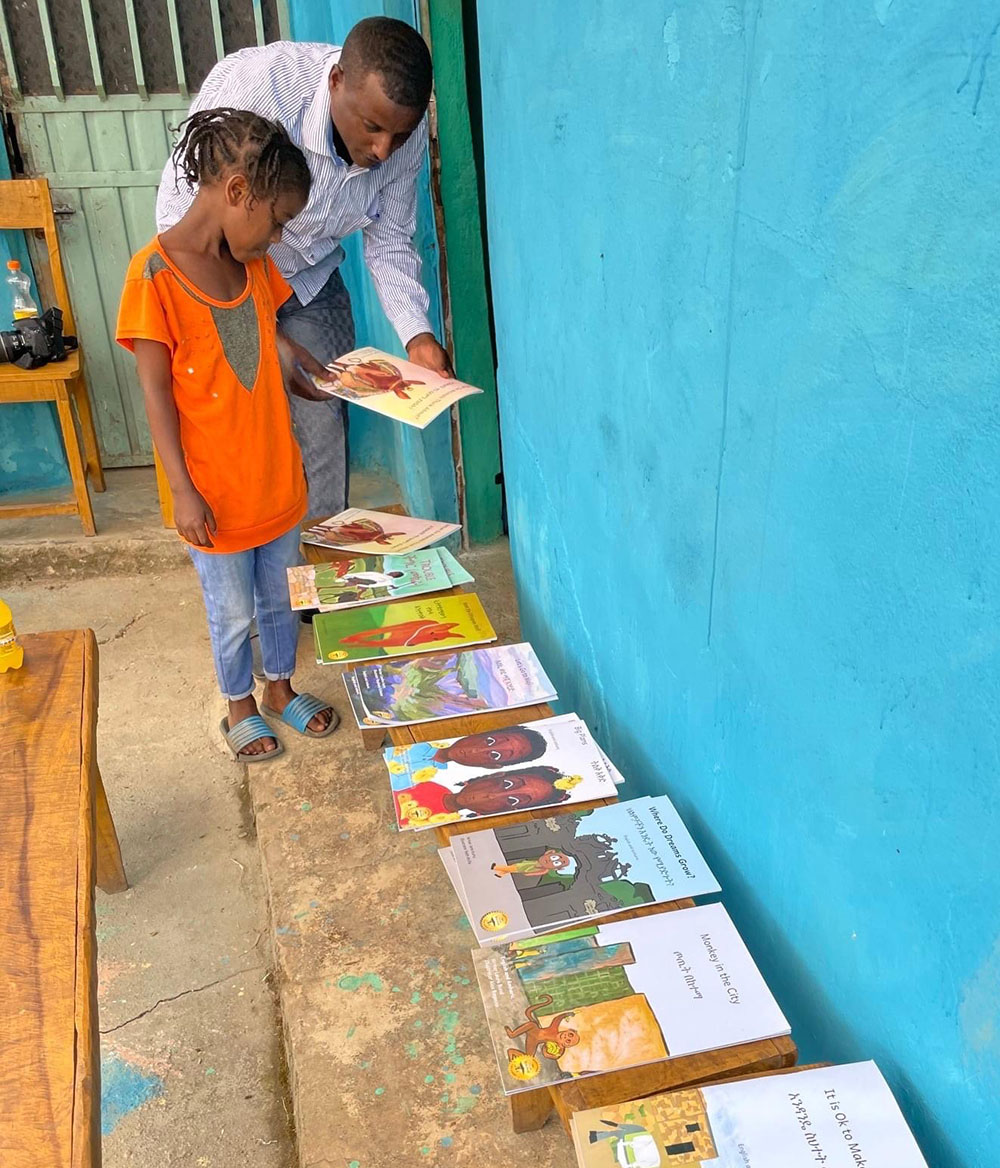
[{"x": 235, "y": 586}]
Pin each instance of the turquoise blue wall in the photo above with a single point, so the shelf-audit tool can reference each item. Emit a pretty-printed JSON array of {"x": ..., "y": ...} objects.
[
  {"x": 31, "y": 451},
  {"x": 420, "y": 461},
  {"x": 744, "y": 264}
]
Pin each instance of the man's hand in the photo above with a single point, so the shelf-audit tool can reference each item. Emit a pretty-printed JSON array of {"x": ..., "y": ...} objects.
[
  {"x": 193, "y": 518},
  {"x": 424, "y": 350},
  {"x": 298, "y": 367}
]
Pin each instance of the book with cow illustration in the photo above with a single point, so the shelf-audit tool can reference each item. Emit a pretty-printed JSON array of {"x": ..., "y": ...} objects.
[
  {"x": 604, "y": 997},
  {"x": 446, "y": 685},
  {"x": 552, "y": 762},
  {"x": 393, "y": 386},
  {"x": 530, "y": 878},
  {"x": 401, "y": 628},
  {"x": 376, "y": 532},
  {"x": 353, "y": 581},
  {"x": 837, "y": 1117}
]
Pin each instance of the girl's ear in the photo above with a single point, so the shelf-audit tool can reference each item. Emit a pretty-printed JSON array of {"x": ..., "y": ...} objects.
[{"x": 236, "y": 189}]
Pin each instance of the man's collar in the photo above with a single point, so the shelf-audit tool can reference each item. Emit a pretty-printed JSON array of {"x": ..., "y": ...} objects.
[{"x": 317, "y": 133}]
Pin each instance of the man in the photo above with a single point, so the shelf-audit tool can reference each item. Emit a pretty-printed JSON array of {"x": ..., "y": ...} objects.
[{"x": 357, "y": 113}]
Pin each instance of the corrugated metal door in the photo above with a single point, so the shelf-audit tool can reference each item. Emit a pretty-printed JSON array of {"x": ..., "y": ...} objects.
[{"x": 93, "y": 87}]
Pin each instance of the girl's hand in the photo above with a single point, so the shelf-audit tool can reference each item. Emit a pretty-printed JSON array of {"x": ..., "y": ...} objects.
[
  {"x": 299, "y": 367},
  {"x": 193, "y": 518}
]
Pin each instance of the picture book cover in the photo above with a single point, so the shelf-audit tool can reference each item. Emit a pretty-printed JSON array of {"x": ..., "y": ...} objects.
[
  {"x": 837, "y": 1117},
  {"x": 550, "y": 762},
  {"x": 445, "y": 685},
  {"x": 393, "y": 386},
  {"x": 401, "y": 628},
  {"x": 578, "y": 865},
  {"x": 358, "y": 580},
  {"x": 374, "y": 532},
  {"x": 601, "y": 998}
]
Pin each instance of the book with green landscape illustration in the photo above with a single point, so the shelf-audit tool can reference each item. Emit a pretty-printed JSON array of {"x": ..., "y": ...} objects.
[
  {"x": 446, "y": 685},
  {"x": 353, "y": 581},
  {"x": 401, "y": 628},
  {"x": 533, "y": 877}
]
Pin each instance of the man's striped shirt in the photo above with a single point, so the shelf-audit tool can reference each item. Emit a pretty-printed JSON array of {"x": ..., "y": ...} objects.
[{"x": 287, "y": 82}]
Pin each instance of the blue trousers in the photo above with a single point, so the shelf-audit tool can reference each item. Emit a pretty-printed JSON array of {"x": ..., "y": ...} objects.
[{"x": 236, "y": 585}]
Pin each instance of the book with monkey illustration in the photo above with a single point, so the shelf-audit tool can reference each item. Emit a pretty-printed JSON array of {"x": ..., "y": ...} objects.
[
  {"x": 604, "y": 997},
  {"x": 393, "y": 386},
  {"x": 534, "y": 877},
  {"x": 353, "y": 581},
  {"x": 839, "y": 1117},
  {"x": 401, "y": 629},
  {"x": 446, "y": 685},
  {"x": 552, "y": 762}
]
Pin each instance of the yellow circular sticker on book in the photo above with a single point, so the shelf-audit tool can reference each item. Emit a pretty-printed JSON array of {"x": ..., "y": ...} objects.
[
  {"x": 523, "y": 1066},
  {"x": 494, "y": 921},
  {"x": 336, "y": 655}
]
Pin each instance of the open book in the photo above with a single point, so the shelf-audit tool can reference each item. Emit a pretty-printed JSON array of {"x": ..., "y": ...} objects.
[
  {"x": 609, "y": 996},
  {"x": 837, "y": 1117},
  {"x": 393, "y": 386}
]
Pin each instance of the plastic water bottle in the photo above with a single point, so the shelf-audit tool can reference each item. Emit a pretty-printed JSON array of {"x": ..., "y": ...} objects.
[
  {"x": 20, "y": 290},
  {"x": 11, "y": 653}
]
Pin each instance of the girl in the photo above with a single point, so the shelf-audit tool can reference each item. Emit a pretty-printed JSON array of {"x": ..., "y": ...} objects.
[{"x": 199, "y": 312}]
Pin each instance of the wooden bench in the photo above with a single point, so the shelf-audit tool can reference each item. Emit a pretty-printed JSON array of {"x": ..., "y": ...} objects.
[
  {"x": 56, "y": 838},
  {"x": 531, "y": 1109}
]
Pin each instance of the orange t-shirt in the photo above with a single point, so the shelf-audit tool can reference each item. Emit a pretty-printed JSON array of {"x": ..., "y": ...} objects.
[{"x": 235, "y": 424}]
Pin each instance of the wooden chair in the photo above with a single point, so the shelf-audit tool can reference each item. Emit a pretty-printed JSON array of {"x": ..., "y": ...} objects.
[{"x": 26, "y": 205}]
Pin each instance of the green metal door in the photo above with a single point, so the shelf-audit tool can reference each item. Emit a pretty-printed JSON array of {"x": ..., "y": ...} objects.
[{"x": 94, "y": 87}]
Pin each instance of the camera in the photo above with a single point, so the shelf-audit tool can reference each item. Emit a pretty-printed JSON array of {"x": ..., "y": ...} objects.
[{"x": 36, "y": 340}]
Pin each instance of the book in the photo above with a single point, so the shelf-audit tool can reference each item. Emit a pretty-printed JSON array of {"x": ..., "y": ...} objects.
[
  {"x": 445, "y": 685},
  {"x": 548, "y": 763},
  {"x": 401, "y": 628},
  {"x": 393, "y": 386},
  {"x": 354, "y": 581},
  {"x": 604, "y": 997},
  {"x": 837, "y": 1117},
  {"x": 373, "y": 532},
  {"x": 533, "y": 877}
]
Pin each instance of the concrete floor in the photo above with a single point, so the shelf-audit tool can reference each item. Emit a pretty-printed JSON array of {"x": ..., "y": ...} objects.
[{"x": 348, "y": 936}]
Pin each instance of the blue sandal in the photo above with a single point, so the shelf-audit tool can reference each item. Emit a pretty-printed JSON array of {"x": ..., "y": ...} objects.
[
  {"x": 301, "y": 710},
  {"x": 246, "y": 731}
]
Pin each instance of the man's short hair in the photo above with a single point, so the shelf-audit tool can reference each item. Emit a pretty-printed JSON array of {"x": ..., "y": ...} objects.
[{"x": 394, "y": 51}]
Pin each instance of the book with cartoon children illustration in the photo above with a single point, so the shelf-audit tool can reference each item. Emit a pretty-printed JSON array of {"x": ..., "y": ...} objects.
[
  {"x": 530, "y": 878},
  {"x": 604, "y": 997},
  {"x": 376, "y": 532},
  {"x": 446, "y": 685},
  {"x": 354, "y": 581},
  {"x": 839, "y": 1117},
  {"x": 401, "y": 628},
  {"x": 551, "y": 762},
  {"x": 393, "y": 386}
]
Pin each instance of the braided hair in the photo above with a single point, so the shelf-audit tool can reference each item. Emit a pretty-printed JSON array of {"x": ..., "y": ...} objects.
[{"x": 216, "y": 140}]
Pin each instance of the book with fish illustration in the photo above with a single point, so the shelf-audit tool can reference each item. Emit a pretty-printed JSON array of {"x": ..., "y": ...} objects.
[
  {"x": 359, "y": 580},
  {"x": 839, "y": 1117},
  {"x": 401, "y": 628},
  {"x": 530, "y": 878},
  {"x": 374, "y": 532},
  {"x": 604, "y": 997},
  {"x": 549, "y": 763},
  {"x": 393, "y": 386},
  {"x": 446, "y": 685}
]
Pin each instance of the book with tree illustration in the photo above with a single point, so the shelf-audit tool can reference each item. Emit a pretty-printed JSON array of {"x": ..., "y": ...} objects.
[
  {"x": 376, "y": 532},
  {"x": 605, "y": 997},
  {"x": 549, "y": 763},
  {"x": 446, "y": 685},
  {"x": 393, "y": 386},
  {"x": 401, "y": 628},
  {"x": 533, "y": 877},
  {"x": 359, "y": 580},
  {"x": 837, "y": 1117}
]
